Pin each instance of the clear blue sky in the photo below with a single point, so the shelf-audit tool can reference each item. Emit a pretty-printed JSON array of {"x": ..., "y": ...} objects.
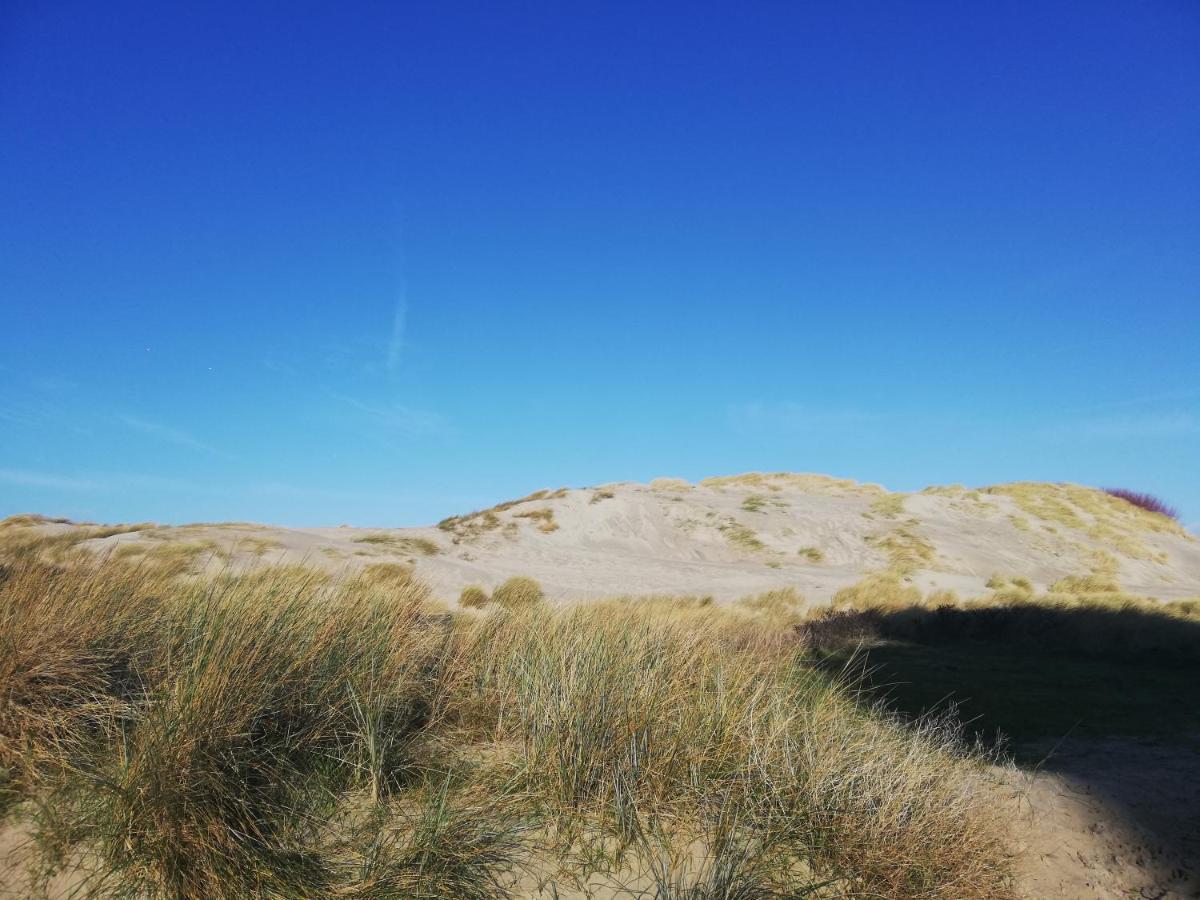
[{"x": 379, "y": 263}]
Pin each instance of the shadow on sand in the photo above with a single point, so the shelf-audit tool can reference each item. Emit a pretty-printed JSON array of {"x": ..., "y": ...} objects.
[{"x": 1106, "y": 698}]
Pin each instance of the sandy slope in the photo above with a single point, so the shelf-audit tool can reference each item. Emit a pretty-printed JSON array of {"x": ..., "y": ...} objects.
[
  {"x": 1106, "y": 819},
  {"x": 736, "y": 536}
]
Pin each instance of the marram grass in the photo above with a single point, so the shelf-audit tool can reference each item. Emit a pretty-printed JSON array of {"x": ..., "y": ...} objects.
[{"x": 283, "y": 734}]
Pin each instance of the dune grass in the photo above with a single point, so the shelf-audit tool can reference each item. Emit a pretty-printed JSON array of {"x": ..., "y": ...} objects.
[
  {"x": 1112, "y": 520},
  {"x": 400, "y": 543},
  {"x": 285, "y": 733},
  {"x": 473, "y": 597},
  {"x": 741, "y": 536},
  {"x": 799, "y": 481},
  {"x": 754, "y": 503},
  {"x": 518, "y": 591},
  {"x": 1147, "y": 502},
  {"x": 889, "y": 505},
  {"x": 543, "y": 516}
]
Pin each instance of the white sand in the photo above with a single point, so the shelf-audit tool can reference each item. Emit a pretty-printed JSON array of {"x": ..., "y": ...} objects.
[{"x": 681, "y": 539}]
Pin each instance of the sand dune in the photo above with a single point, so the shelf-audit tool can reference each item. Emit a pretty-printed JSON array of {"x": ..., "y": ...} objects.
[{"x": 729, "y": 537}]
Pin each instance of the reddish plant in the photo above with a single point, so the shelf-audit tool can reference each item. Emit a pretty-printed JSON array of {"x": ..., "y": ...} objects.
[{"x": 1148, "y": 502}]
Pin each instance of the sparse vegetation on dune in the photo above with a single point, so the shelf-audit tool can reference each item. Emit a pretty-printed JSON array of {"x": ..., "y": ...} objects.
[
  {"x": 401, "y": 543},
  {"x": 741, "y": 536},
  {"x": 812, "y": 554},
  {"x": 889, "y": 505},
  {"x": 777, "y": 481},
  {"x": 1148, "y": 502},
  {"x": 1110, "y": 519},
  {"x": 285, "y": 733}
]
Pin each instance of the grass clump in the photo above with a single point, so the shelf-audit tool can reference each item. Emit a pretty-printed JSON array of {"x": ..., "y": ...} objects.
[
  {"x": 401, "y": 543},
  {"x": 741, "y": 536},
  {"x": 544, "y": 516},
  {"x": 601, "y": 494},
  {"x": 670, "y": 485},
  {"x": 244, "y": 705},
  {"x": 754, "y": 503},
  {"x": 518, "y": 591},
  {"x": 473, "y": 597},
  {"x": 889, "y": 505},
  {"x": 812, "y": 554},
  {"x": 906, "y": 550},
  {"x": 646, "y": 729},
  {"x": 1086, "y": 584},
  {"x": 882, "y": 590}
]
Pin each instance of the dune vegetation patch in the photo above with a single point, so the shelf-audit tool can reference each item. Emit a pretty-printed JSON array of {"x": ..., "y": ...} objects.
[
  {"x": 906, "y": 550},
  {"x": 473, "y": 597},
  {"x": 889, "y": 506},
  {"x": 543, "y": 517},
  {"x": 400, "y": 543},
  {"x": 812, "y": 554},
  {"x": 174, "y": 556},
  {"x": 754, "y": 503},
  {"x": 741, "y": 536},
  {"x": 518, "y": 592},
  {"x": 1112, "y": 520},
  {"x": 55, "y": 539},
  {"x": 779, "y": 481},
  {"x": 670, "y": 485},
  {"x": 475, "y": 524},
  {"x": 1144, "y": 501},
  {"x": 290, "y": 733}
]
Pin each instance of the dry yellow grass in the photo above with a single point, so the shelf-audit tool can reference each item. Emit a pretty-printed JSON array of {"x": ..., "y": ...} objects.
[
  {"x": 473, "y": 597},
  {"x": 741, "y": 536},
  {"x": 400, "y": 543},
  {"x": 518, "y": 591},
  {"x": 906, "y": 550},
  {"x": 285, "y": 733},
  {"x": 812, "y": 554},
  {"x": 889, "y": 505},
  {"x": 1108, "y": 520},
  {"x": 882, "y": 590},
  {"x": 670, "y": 485},
  {"x": 777, "y": 481}
]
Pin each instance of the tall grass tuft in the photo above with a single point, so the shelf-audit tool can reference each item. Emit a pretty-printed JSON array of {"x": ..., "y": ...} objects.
[
  {"x": 518, "y": 591},
  {"x": 286, "y": 734}
]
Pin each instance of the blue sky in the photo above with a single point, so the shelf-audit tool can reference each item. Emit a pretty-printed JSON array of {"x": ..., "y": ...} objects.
[{"x": 381, "y": 263}]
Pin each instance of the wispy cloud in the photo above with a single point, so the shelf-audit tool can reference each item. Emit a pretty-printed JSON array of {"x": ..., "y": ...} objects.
[
  {"x": 395, "y": 347},
  {"x": 1144, "y": 400},
  {"x": 282, "y": 489},
  {"x": 1151, "y": 425},
  {"x": 407, "y": 420},
  {"x": 794, "y": 417},
  {"x": 168, "y": 435},
  {"x": 27, "y": 478}
]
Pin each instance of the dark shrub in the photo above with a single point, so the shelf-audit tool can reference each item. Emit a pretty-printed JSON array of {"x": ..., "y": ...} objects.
[{"x": 1148, "y": 502}]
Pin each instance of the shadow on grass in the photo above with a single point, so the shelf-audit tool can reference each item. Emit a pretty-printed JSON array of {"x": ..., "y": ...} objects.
[
  {"x": 1107, "y": 699},
  {"x": 1031, "y": 673},
  {"x": 1027, "y": 695}
]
